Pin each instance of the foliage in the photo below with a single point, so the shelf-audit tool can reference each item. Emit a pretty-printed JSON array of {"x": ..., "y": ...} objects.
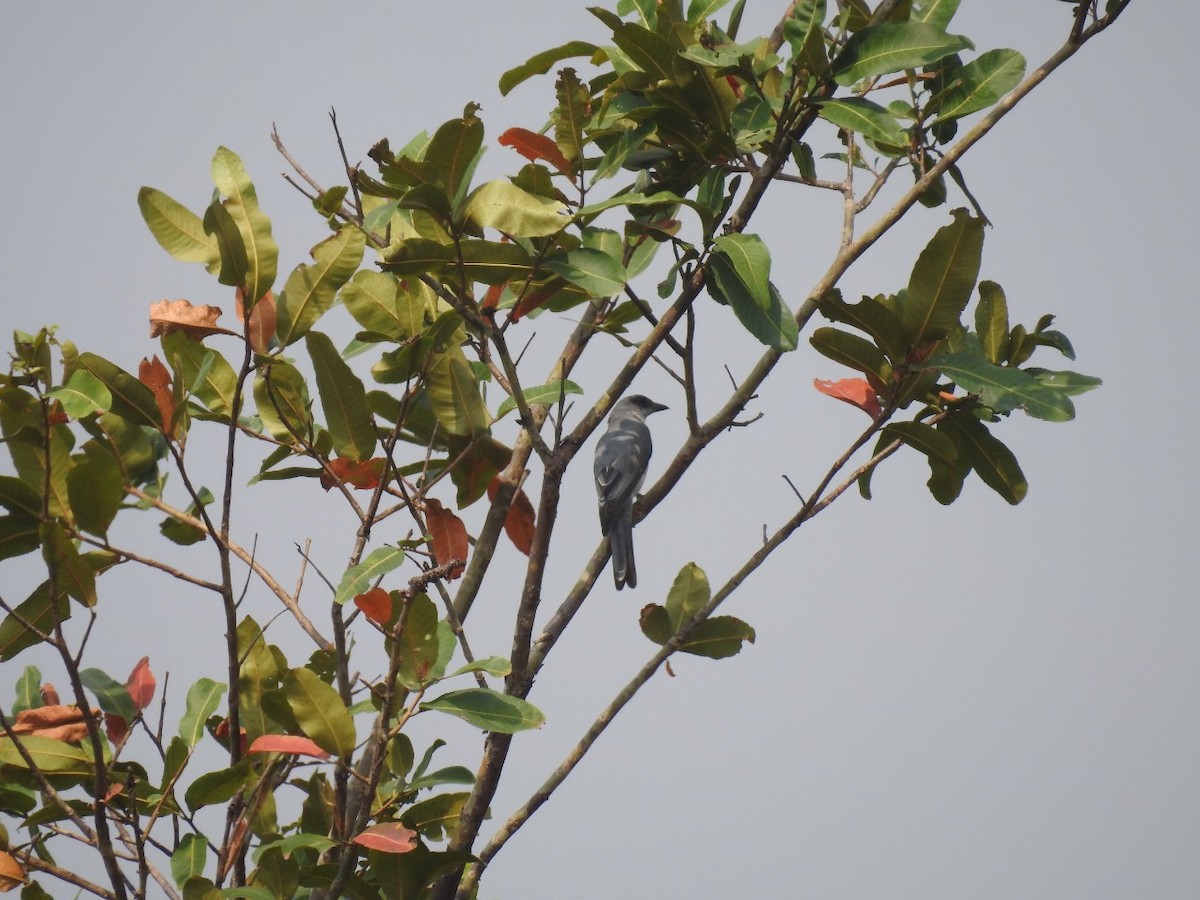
[{"x": 660, "y": 159}]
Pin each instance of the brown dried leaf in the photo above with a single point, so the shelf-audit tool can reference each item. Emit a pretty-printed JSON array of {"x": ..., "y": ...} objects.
[
  {"x": 58, "y": 723},
  {"x": 448, "y": 533},
  {"x": 197, "y": 322},
  {"x": 49, "y": 695},
  {"x": 363, "y": 475},
  {"x": 115, "y": 727},
  {"x": 154, "y": 375},
  {"x": 262, "y": 320}
]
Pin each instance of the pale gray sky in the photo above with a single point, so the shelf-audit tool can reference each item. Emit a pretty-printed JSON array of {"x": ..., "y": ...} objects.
[{"x": 978, "y": 701}]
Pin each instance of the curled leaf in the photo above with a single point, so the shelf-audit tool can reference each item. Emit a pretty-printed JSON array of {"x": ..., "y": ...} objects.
[
  {"x": 262, "y": 319},
  {"x": 197, "y": 322},
  {"x": 855, "y": 391},
  {"x": 58, "y": 723}
]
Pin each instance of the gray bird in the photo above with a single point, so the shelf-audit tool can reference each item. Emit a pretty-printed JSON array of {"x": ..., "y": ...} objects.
[{"x": 622, "y": 455}]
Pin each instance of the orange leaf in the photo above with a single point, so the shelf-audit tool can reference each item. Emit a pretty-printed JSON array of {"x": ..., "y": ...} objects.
[
  {"x": 534, "y": 146},
  {"x": 364, "y": 475},
  {"x": 520, "y": 522},
  {"x": 390, "y": 837},
  {"x": 154, "y": 375},
  {"x": 12, "y": 875},
  {"x": 262, "y": 320},
  {"x": 492, "y": 298},
  {"x": 376, "y": 605},
  {"x": 222, "y": 734},
  {"x": 287, "y": 743},
  {"x": 49, "y": 695},
  {"x": 141, "y": 683},
  {"x": 448, "y": 533},
  {"x": 855, "y": 391},
  {"x": 533, "y": 300},
  {"x": 58, "y": 723},
  {"x": 197, "y": 322}
]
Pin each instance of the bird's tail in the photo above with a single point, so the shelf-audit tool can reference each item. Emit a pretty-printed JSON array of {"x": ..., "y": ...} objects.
[{"x": 620, "y": 543}]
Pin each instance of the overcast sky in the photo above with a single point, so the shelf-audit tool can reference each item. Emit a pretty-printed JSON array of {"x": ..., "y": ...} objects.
[{"x": 975, "y": 701}]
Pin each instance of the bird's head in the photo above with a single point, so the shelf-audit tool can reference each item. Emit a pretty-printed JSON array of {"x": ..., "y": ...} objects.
[{"x": 636, "y": 405}]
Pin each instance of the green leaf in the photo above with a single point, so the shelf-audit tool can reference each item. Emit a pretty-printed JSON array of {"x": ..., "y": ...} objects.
[
  {"x": 419, "y": 642},
  {"x": 204, "y": 373},
  {"x": 853, "y": 351},
  {"x": 454, "y": 395},
  {"x": 752, "y": 261},
  {"x": 872, "y": 317},
  {"x": 96, "y": 488},
  {"x": 63, "y": 561},
  {"x": 320, "y": 712},
  {"x": 498, "y": 666},
  {"x": 934, "y": 12},
  {"x": 28, "y": 690},
  {"x": 992, "y": 461},
  {"x": 891, "y": 47},
  {"x": 925, "y": 439},
  {"x": 19, "y": 498},
  {"x": 991, "y": 321},
  {"x": 379, "y": 303},
  {"x": 189, "y": 858},
  {"x": 540, "y": 63},
  {"x": 1069, "y": 383},
  {"x": 689, "y": 592},
  {"x": 360, "y": 578},
  {"x": 488, "y": 710},
  {"x": 18, "y": 535},
  {"x": 634, "y": 200},
  {"x": 718, "y": 637},
  {"x": 700, "y": 11},
  {"x": 864, "y": 117},
  {"x": 1004, "y": 388},
  {"x": 416, "y": 256},
  {"x": 502, "y": 205},
  {"x": 50, "y": 756},
  {"x": 544, "y": 393},
  {"x": 203, "y": 698},
  {"x": 593, "y": 270},
  {"x": 219, "y": 786},
  {"x": 38, "y": 611},
  {"x": 281, "y": 399},
  {"x": 261, "y": 252},
  {"x": 942, "y": 279},
  {"x": 82, "y": 395},
  {"x": 774, "y": 326},
  {"x": 453, "y": 148},
  {"x": 979, "y": 84},
  {"x": 310, "y": 288},
  {"x": 112, "y": 696},
  {"x": 220, "y": 224},
  {"x": 571, "y": 116},
  {"x": 343, "y": 399},
  {"x": 131, "y": 399},
  {"x": 178, "y": 230},
  {"x": 803, "y": 30}
]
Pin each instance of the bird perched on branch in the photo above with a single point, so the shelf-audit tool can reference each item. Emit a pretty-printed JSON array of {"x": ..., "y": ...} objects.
[{"x": 622, "y": 455}]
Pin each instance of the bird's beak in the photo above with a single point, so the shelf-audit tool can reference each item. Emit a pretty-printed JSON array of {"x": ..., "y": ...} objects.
[{"x": 659, "y": 407}]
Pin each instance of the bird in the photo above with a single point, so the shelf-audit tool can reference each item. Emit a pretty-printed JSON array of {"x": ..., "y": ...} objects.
[{"x": 622, "y": 455}]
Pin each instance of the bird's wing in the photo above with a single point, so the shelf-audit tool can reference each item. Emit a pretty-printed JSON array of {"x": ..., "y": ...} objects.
[{"x": 621, "y": 460}]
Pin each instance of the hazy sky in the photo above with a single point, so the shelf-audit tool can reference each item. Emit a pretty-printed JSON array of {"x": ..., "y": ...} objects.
[{"x": 975, "y": 701}]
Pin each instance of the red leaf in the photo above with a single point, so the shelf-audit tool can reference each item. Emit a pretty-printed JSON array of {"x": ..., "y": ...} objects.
[
  {"x": 287, "y": 743},
  {"x": 855, "y": 391},
  {"x": 448, "y": 533},
  {"x": 521, "y": 520},
  {"x": 376, "y": 605},
  {"x": 115, "y": 727},
  {"x": 141, "y": 683},
  {"x": 364, "y": 475},
  {"x": 222, "y": 734},
  {"x": 492, "y": 298},
  {"x": 12, "y": 875},
  {"x": 197, "y": 322},
  {"x": 534, "y": 146},
  {"x": 262, "y": 320},
  {"x": 49, "y": 695},
  {"x": 390, "y": 837}
]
